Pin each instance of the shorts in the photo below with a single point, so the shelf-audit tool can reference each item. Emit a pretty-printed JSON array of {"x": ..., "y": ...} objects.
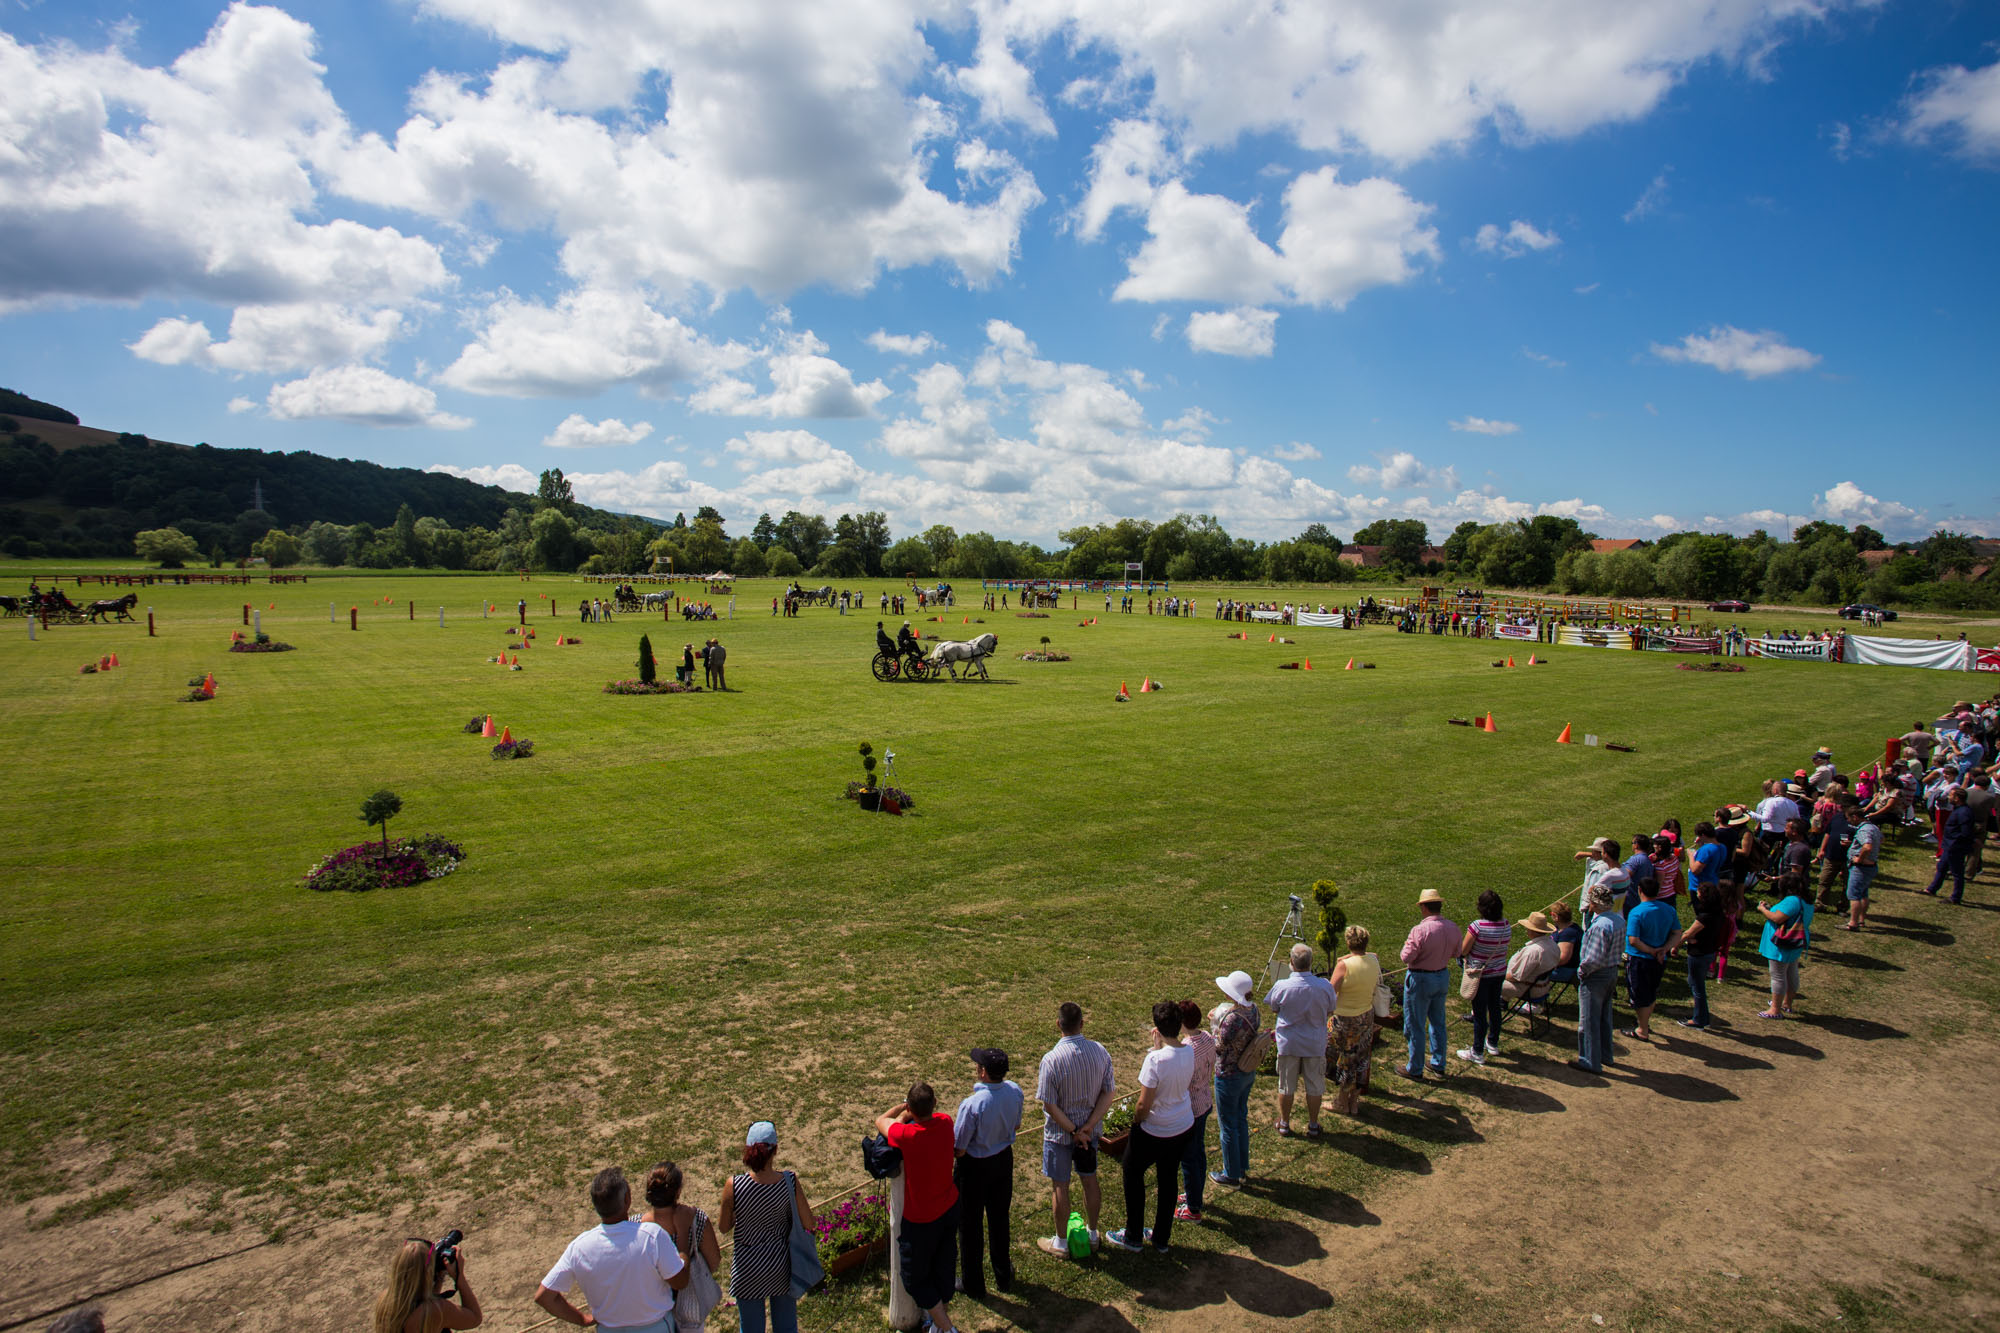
[
  {"x": 1784, "y": 976},
  {"x": 1058, "y": 1158},
  {"x": 1642, "y": 979},
  {"x": 1312, "y": 1068},
  {"x": 1858, "y": 880}
]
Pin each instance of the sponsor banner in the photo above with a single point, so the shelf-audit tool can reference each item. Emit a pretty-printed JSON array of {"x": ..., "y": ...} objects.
[
  {"x": 1937, "y": 654},
  {"x": 1516, "y": 632},
  {"x": 1986, "y": 659},
  {"x": 1680, "y": 643},
  {"x": 1803, "y": 650},
  {"x": 1321, "y": 619},
  {"x": 1269, "y": 617},
  {"x": 1582, "y": 636}
]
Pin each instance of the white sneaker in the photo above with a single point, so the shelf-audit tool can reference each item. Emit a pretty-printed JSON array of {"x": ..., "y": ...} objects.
[
  {"x": 1493, "y": 1048},
  {"x": 1471, "y": 1056}
]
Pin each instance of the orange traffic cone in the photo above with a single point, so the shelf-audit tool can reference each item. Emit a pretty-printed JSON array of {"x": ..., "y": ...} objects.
[
  {"x": 507, "y": 736},
  {"x": 1531, "y": 659},
  {"x": 274, "y": 606},
  {"x": 1123, "y": 693},
  {"x": 1146, "y": 685},
  {"x": 1510, "y": 659},
  {"x": 104, "y": 663},
  {"x": 1350, "y": 664},
  {"x": 1308, "y": 666},
  {"x": 1272, "y": 639},
  {"x": 1488, "y": 726},
  {"x": 1564, "y": 738},
  {"x": 487, "y": 730},
  {"x": 208, "y": 683}
]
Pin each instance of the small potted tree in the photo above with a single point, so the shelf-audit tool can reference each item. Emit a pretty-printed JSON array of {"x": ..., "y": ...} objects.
[{"x": 870, "y": 795}]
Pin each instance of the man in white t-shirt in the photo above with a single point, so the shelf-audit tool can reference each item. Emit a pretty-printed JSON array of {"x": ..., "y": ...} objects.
[
  {"x": 629, "y": 1270},
  {"x": 1774, "y": 810},
  {"x": 1161, "y": 1122}
]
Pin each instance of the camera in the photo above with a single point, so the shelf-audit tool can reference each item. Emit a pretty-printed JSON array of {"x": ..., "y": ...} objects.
[{"x": 445, "y": 1251}]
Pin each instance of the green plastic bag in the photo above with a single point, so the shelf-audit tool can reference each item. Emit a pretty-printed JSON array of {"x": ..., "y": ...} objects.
[{"x": 1079, "y": 1237}]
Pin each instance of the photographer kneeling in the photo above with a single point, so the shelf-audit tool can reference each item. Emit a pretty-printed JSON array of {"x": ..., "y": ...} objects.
[{"x": 414, "y": 1301}]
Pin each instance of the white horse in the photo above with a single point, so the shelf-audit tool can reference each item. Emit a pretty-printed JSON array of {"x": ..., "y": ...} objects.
[
  {"x": 972, "y": 655},
  {"x": 654, "y": 600}
]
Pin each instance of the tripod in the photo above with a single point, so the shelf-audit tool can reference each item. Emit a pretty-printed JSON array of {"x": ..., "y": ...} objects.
[{"x": 1292, "y": 928}]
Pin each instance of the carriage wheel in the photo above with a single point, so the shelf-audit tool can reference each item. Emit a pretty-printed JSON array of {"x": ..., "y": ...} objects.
[
  {"x": 920, "y": 668},
  {"x": 886, "y": 666}
]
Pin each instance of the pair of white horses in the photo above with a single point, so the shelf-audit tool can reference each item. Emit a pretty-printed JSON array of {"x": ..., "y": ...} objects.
[{"x": 972, "y": 655}]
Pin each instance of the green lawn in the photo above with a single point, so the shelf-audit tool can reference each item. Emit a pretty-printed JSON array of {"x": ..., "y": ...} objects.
[{"x": 671, "y": 924}]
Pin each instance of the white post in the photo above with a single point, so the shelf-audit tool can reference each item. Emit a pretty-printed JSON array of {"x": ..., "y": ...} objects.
[
  {"x": 482, "y": 610},
  {"x": 440, "y": 617},
  {"x": 256, "y": 622},
  {"x": 31, "y": 629},
  {"x": 329, "y": 613},
  {"x": 903, "y": 1311}
]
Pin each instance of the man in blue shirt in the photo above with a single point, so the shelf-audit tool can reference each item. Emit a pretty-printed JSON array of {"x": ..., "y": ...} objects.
[
  {"x": 1651, "y": 931},
  {"x": 1639, "y": 865},
  {"x": 985, "y": 1127},
  {"x": 1711, "y": 858},
  {"x": 1597, "y": 978}
]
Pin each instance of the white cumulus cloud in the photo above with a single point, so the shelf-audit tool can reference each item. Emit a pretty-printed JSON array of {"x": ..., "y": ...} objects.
[
  {"x": 1735, "y": 351},
  {"x": 804, "y": 383},
  {"x": 1298, "y": 451},
  {"x": 269, "y": 339},
  {"x": 1244, "y": 331},
  {"x": 1516, "y": 239},
  {"x": 1959, "y": 105},
  {"x": 1847, "y": 503},
  {"x": 360, "y": 396},
  {"x": 577, "y": 431},
  {"x": 901, "y": 344},
  {"x": 1404, "y": 471},
  {"x": 588, "y": 341},
  {"x": 1483, "y": 426}
]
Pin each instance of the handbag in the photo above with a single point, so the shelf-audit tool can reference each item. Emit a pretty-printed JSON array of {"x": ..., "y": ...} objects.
[
  {"x": 1254, "y": 1051},
  {"x": 880, "y": 1158},
  {"x": 1385, "y": 999},
  {"x": 1468, "y": 988},
  {"x": 703, "y": 1293},
  {"x": 807, "y": 1271},
  {"x": 1791, "y": 935}
]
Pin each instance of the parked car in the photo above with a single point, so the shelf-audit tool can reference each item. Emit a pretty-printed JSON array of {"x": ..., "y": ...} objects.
[
  {"x": 1856, "y": 610},
  {"x": 1734, "y": 608}
]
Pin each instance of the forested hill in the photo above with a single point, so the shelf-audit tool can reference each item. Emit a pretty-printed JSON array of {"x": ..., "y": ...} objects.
[{"x": 91, "y": 500}]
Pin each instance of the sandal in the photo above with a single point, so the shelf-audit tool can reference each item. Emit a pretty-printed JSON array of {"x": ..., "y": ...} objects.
[{"x": 1284, "y": 1130}]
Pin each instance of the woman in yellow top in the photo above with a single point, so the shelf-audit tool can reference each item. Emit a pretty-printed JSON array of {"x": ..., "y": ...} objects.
[{"x": 1351, "y": 1030}]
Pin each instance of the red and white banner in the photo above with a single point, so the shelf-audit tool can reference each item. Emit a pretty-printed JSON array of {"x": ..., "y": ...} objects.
[
  {"x": 1808, "y": 650},
  {"x": 1681, "y": 643},
  {"x": 1517, "y": 632},
  {"x": 1986, "y": 659}
]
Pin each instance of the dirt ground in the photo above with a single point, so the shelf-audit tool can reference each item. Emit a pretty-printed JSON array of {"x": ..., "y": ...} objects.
[{"x": 1833, "y": 1171}]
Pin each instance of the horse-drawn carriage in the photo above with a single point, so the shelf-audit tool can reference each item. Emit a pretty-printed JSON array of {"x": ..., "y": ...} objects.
[
  {"x": 914, "y": 663},
  {"x": 55, "y": 608}
]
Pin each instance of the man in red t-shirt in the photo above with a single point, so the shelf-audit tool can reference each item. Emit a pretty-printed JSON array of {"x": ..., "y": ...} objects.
[{"x": 928, "y": 1245}]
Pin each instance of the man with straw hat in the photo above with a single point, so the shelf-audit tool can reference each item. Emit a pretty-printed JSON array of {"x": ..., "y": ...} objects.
[
  {"x": 1528, "y": 969},
  {"x": 1427, "y": 953}
]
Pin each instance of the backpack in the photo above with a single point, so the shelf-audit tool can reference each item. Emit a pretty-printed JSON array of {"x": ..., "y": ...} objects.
[
  {"x": 880, "y": 1158},
  {"x": 1254, "y": 1051},
  {"x": 1078, "y": 1237}
]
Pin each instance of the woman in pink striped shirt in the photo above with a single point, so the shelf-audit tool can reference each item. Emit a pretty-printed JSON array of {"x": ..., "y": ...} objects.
[{"x": 1484, "y": 950}]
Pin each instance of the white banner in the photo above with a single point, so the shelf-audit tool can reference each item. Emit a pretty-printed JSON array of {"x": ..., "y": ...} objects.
[
  {"x": 1937, "y": 654},
  {"x": 1580, "y": 636},
  {"x": 1516, "y": 632},
  {"x": 1322, "y": 619},
  {"x": 1269, "y": 617},
  {"x": 1809, "y": 650}
]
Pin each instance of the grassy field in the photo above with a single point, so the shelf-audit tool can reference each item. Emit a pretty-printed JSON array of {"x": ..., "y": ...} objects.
[{"x": 671, "y": 924}]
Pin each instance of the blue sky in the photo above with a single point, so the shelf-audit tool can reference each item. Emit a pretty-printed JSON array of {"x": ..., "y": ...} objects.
[{"x": 1019, "y": 266}]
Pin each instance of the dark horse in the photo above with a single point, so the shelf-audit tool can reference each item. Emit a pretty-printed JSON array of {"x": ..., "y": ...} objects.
[
  {"x": 121, "y": 607},
  {"x": 13, "y": 606}
]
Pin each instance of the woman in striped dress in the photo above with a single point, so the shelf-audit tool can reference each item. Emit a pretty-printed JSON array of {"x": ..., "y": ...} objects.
[{"x": 757, "y": 1209}]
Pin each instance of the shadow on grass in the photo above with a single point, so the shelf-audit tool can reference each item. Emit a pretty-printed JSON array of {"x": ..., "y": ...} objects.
[
  {"x": 1416, "y": 1117},
  {"x": 1336, "y": 1207},
  {"x": 1385, "y": 1153},
  {"x": 1766, "y": 1037},
  {"x": 1211, "y": 1279},
  {"x": 1680, "y": 1087},
  {"x": 1276, "y": 1240},
  {"x": 1046, "y": 1310},
  {"x": 1854, "y": 1029},
  {"x": 1713, "y": 1057},
  {"x": 1909, "y": 928},
  {"x": 1509, "y": 1096},
  {"x": 1860, "y": 962}
]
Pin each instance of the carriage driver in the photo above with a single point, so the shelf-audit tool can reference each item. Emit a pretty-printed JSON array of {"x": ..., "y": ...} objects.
[
  {"x": 907, "y": 641},
  {"x": 882, "y": 640}
]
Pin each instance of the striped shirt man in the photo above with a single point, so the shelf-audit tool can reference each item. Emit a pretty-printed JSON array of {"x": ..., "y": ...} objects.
[{"x": 1074, "y": 1075}]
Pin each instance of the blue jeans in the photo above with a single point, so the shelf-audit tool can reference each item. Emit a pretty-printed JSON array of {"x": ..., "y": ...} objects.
[
  {"x": 1423, "y": 1010},
  {"x": 784, "y": 1314},
  {"x": 1232, "y": 1121},
  {"x": 1698, "y": 966},
  {"x": 1593, "y": 1018},
  {"x": 1194, "y": 1164}
]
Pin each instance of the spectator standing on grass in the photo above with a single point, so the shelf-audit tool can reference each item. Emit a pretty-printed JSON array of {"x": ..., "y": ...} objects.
[
  {"x": 1651, "y": 931},
  {"x": 1596, "y": 862},
  {"x": 1427, "y": 952},
  {"x": 1781, "y": 947},
  {"x": 717, "y": 655},
  {"x": 1075, "y": 1089},
  {"x": 1666, "y": 859},
  {"x": 693, "y": 1236},
  {"x": 1864, "y": 849},
  {"x": 1774, "y": 812},
  {"x": 1484, "y": 949},
  {"x": 1201, "y": 1100},
  {"x": 985, "y": 1126},
  {"x": 1352, "y": 1032},
  {"x": 1954, "y": 845},
  {"x": 1162, "y": 1119},
  {"x": 760, "y": 1208},
  {"x": 928, "y": 1244},
  {"x": 1981, "y": 800},
  {"x": 629, "y": 1271},
  {"x": 1235, "y": 1023},
  {"x": 1597, "y": 979},
  {"x": 1796, "y": 855},
  {"x": 1702, "y": 941},
  {"x": 1710, "y": 858},
  {"x": 413, "y": 1302},
  {"x": 1639, "y": 871},
  {"x": 1303, "y": 1003}
]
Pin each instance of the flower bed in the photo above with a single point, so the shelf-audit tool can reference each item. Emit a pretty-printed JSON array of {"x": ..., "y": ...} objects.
[
  {"x": 363, "y": 866},
  {"x": 851, "y": 1231},
  {"x": 262, "y": 643},
  {"x": 520, "y": 748},
  {"x": 1045, "y": 657},
  {"x": 1031, "y": 615},
  {"x": 653, "y": 687},
  {"x": 1708, "y": 666}
]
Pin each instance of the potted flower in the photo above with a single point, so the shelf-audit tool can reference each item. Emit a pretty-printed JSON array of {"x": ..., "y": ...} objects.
[
  {"x": 852, "y": 1232},
  {"x": 1117, "y": 1131}
]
